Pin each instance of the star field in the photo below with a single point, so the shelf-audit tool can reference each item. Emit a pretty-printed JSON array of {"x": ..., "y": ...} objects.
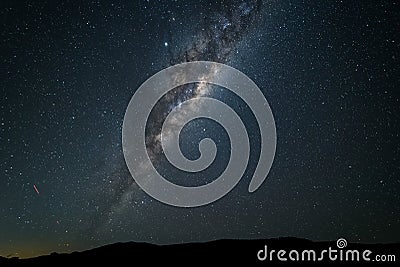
[{"x": 328, "y": 69}]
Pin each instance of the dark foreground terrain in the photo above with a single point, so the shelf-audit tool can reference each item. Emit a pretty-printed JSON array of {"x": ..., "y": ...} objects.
[{"x": 217, "y": 252}]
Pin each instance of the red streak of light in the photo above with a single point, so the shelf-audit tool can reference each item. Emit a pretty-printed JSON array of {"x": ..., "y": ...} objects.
[{"x": 37, "y": 191}]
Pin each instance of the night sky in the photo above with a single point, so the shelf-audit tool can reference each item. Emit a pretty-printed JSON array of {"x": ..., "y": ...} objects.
[{"x": 329, "y": 70}]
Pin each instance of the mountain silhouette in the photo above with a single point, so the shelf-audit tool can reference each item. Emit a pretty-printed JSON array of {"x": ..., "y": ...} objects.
[{"x": 210, "y": 253}]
